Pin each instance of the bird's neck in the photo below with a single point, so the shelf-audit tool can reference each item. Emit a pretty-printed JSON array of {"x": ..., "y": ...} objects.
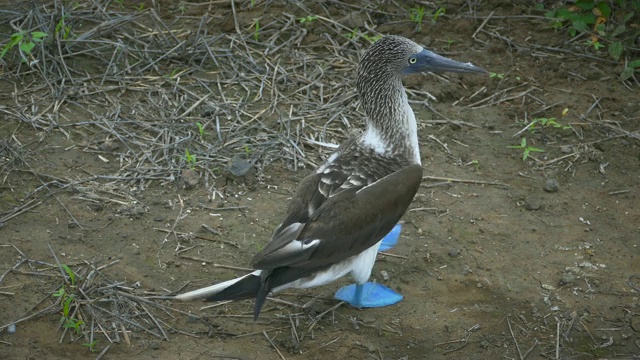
[{"x": 391, "y": 123}]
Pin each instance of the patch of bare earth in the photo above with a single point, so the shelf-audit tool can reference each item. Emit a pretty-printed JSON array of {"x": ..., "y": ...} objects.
[{"x": 152, "y": 147}]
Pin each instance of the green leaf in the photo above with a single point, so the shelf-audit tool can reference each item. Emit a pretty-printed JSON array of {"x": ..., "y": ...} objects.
[
  {"x": 563, "y": 14},
  {"x": 604, "y": 9},
  {"x": 579, "y": 25},
  {"x": 585, "y": 18},
  {"x": 551, "y": 14},
  {"x": 619, "y": 30},
  {"x": 539, "y": 6},
  {"x": 628, "y": 17},
  {"x": 27, "y": 47},
  {"x": 16, "y": 38},
  {"x": 585, "y": 4},
  {"x": 72, "y": 275},
  {"x": 38, "y": 35},
  {"x": 634, "y": 63},
  {"x": 615, "y": 50},
  {"x": 626, "y": 73}
]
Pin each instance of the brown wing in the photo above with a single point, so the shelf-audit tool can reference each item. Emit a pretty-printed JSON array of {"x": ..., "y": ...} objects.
[{"x": 345, "y": 224}]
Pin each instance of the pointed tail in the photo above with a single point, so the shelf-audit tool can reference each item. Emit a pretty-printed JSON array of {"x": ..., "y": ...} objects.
[{"x": 244, "y": 287}]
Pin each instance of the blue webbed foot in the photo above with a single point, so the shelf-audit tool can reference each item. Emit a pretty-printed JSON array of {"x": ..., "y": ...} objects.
[
  {"x": 391, "y": 239},
  {"x": 369, "y": 295}
]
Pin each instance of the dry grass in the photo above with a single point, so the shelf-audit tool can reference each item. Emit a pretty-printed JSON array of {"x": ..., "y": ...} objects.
[{"x": 147, "y": 90}]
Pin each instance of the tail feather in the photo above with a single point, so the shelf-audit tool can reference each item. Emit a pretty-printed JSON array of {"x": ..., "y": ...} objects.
[{"x": 244, "y": 287}]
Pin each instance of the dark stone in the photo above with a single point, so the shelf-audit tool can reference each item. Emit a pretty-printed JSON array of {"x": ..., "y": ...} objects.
[{"x": 552, "y": 185}]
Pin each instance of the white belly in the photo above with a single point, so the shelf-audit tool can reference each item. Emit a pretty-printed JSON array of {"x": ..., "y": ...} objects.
[{"x": 359, "y": 266}]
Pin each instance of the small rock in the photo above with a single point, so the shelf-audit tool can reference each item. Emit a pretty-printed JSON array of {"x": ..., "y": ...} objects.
[
  {"x": 566, "y": 149},
  {"x": 454, "y": 253},
  {"x": 466, "y": 270},
  {"x": 189, "y": 178},
  {"x": 532, "y": 206},
  {"x": 155, "y": 345},
  {"x": 484, "y": 344},
  {"x": 552, "y": 185},
  {"x": 479, "y": 285},
  {"x": 524, "y": 52},
  {"x": 109, "y": 146},
  {"x": 567, "y": 278},
  {"x": 95, "y": 207},
  {"x": 11, "y": 329},
  {"x": 385, "y": 275},
  {"x": 239, "y": 167},
  {"x": 158, "y": 219}
]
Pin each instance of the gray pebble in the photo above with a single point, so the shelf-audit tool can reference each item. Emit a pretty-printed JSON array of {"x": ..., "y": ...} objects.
[
  {"x": 566, "y": 149},
  {"x": 11, "y": 329},
  {"x": 567, "y": 278},
  {"x": 466, "y": 270},
  {"x": 552, "y": 185},
  {"x": 454, "y": 253},
  {"x": 385, "y": 275},
  {"x": 532, "y": 206}
]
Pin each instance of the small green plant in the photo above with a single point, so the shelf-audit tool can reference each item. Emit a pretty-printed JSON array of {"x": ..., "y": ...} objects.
[
  {"x": 62, "y": 29},
  {"x": 630, "y": 69},
  {"x": 70, "y": 273},
  {"x": 201, "y": 129},
  {"x": 613, "y": 23},
  {"x": 247, "y": 150},
  {"x": 435, "y": 15},
  {"x": 24, "y": 42},
  {"x": 449, "y": 43},
  {"x": 190, "y": 159},
  {"x": 545, "y": 123},
  {"x": 307, "y": 19},
  {"x": 525, "y": 149},
  {"x": 67, "y": 299},
  {"x": 496, "y": 75},
  {"x": 256, "y": 32},
  {"x": 354, "y": 34},
  {"x": 370, "y": 38},
  {"x": 74, "y": 324},
  {"x": 416, "y": 15},
  {"x": 91, "y": 345}
]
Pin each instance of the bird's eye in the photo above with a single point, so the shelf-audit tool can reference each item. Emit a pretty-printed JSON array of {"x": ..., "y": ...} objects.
[{"x": 412, "y": 60}]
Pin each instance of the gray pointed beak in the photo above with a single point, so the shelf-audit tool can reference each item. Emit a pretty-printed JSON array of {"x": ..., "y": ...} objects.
[{"x": 432, "y": 62}]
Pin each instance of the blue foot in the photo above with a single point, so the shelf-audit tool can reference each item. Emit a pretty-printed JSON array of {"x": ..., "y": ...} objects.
[
  {"x": 369, "y": 295},
  {"x": 391, "y": 239}
]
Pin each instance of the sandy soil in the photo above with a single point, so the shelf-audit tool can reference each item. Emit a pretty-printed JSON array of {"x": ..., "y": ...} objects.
[{"x": 511, "y": 259}]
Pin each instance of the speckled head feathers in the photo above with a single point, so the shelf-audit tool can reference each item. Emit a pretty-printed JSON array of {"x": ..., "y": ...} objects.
[{"x": 390, "y": 54}]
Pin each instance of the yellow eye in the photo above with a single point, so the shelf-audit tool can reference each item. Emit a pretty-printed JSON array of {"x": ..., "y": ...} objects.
[{"x": 412, "y": 60}]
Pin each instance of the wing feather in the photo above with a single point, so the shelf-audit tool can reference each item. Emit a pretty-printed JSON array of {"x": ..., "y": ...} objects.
[{"x": 349, "y": 221}]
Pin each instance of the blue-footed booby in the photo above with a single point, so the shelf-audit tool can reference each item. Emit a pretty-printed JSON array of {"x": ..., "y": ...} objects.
[{"x": 337, "y": 219}]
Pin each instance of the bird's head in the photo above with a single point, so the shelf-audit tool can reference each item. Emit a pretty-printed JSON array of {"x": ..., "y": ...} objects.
[{"x": 400, "y": 56}]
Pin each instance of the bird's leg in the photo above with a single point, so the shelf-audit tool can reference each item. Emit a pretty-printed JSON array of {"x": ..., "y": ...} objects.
[
  {"x": 371, "y": 294},
  {"x": 358, "y": 295}
]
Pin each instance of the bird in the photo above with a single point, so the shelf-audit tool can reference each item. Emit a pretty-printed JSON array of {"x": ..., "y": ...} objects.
[{"x": 342, "y": 211}]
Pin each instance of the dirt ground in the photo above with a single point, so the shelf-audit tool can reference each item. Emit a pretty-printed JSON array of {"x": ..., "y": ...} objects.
[{"x": 499, "y": 258}]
